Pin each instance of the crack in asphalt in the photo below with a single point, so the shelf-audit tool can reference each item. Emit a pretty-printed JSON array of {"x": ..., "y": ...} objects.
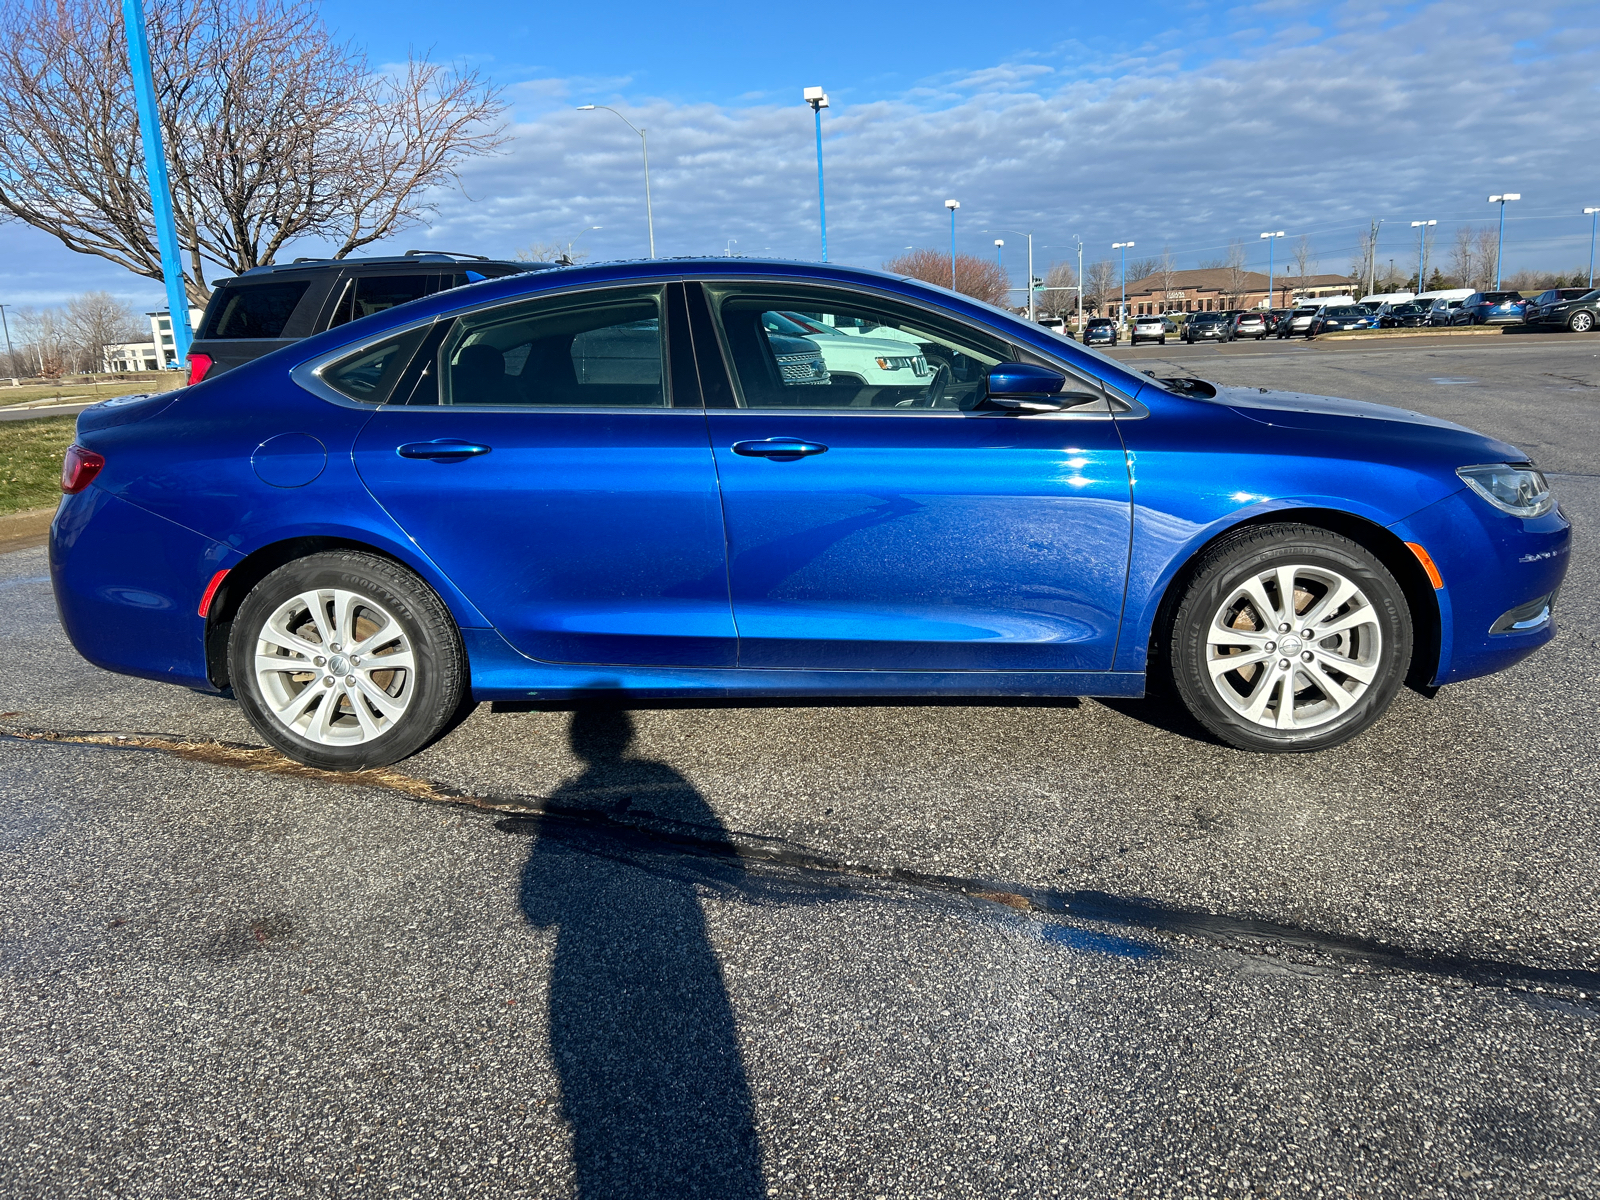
[{"x": 648, "y": 833}]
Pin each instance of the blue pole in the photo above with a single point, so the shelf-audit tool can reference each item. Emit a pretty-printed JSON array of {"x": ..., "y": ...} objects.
[
  {"x": 822, "y": 203},
  {"x": 1499, "y": 245},
  {"x": 1272, "y": 245},
  {"x": 1122, "y": 313},
  {"x": 1422, "y": 258},
  {"x": 155, "y": 165}
]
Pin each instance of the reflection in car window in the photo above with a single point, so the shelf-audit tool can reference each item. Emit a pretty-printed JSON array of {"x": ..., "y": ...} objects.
[
  {"x": 256, "y": 310},
  {"x": 598, "y": 350},
  {"x": 369, "y": 374},
  {"x": 820, "y": 349}
]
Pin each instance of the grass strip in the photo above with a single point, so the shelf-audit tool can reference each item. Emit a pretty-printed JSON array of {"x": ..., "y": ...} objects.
[{"x": 30, "y": 462}]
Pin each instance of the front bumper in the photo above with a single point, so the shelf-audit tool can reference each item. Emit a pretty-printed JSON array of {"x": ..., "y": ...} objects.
[{"x": 1493, "y": 565}]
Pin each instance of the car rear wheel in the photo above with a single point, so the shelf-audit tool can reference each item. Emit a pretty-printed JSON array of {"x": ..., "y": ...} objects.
[
  {"x": 345, "y": 660},
  {"x": 1581, "y": 322},
  {"x": 1290, "y": 638}
]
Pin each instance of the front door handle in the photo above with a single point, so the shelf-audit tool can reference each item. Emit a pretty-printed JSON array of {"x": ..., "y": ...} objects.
[
  {"x": 779, "y": 449},
  {"x": 442, "y": 450}
]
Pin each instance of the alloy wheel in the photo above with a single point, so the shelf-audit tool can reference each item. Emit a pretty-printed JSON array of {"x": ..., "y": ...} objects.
[
  {"x": 335, "y": 667},
  {"x": 1294, "y": 647}
]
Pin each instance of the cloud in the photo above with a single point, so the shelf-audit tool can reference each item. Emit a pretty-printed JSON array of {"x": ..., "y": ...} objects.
[{"x": 1309, "y": 129}]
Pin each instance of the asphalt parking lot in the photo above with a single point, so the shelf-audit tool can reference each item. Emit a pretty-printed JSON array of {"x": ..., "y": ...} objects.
[{"x": 870, "y": 950}]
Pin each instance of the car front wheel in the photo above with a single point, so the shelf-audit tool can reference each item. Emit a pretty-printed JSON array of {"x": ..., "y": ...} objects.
[
  {"x": 1290, "y": 638},
  {"x": 1581, "y": 322},
  {"x": 346, "y": 660}
]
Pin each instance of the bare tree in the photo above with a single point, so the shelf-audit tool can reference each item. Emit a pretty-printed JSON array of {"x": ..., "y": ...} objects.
[
  {"x": 1142, "y": 268},
  {"x": 981, "y": 278},
  {"x": 1099, "y": 284},
  {"x": 1166, "y": 274},
  {"x": 1236, "y": 277},
  {"x": 1464, "y": 256},
  {"x": 1361, "y": 264},
  {"x": 273, "y": 130},
  {"x": 1487, "y": 255},
  {"x": 95, "y": 320},
  {"x": 1304, "y": 259},
  {"x": 554, "y": 252},
  {"x": 1054, "y": 302}
]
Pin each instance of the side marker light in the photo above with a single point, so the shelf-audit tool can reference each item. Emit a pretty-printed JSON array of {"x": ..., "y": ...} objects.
[
  {"x": 1427, "y": 565},
  {"x": 211, "y": 591}
]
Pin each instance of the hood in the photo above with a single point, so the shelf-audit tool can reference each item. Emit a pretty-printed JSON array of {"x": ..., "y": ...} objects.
[{"x": 1328, "y": 414}]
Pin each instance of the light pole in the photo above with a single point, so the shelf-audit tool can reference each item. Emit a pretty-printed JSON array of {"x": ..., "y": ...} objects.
[
  {"x": 727, "y": 251},
  {"x": 1594, "y": 217},
  {"x": 1080, "y": 282},
  {"x": 1422, "y": 228},
  {"x": 1122, "y": 311},
  {"x": 818, "y": 99},
  {"x": 10, "y": 354},
  {"x": 573, "y": 240},
  {"x": 952, "y": 205},
  {"x": 1272, "y": 244},
  {"x": 1372, "y": 263},
  {"x": 649, "y": 212},
  {"x": 1029, "y": 236},
  {"x": 1000, "y": 253},
  {"x": 1500, "y": 239}
]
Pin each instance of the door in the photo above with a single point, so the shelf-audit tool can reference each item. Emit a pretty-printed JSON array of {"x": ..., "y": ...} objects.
[
  {"x": 875, "y": 521},
  {"x": 547, "y": 456}
]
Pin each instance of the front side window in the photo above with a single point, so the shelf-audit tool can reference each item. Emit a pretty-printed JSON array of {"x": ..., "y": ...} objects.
[
  {"x": 815, "y": 348},
  {"x": 596, "y": 350}
]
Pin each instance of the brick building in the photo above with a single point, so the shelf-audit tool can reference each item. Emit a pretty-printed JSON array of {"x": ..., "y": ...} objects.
[{"x": 1210, "y": 289}]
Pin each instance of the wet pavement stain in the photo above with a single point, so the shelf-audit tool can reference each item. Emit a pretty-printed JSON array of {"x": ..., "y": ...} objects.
[{"x": 614, "y": 829}]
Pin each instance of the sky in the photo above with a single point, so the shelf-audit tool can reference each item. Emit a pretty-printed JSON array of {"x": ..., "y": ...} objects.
[{"x": 1173, "y": 125}]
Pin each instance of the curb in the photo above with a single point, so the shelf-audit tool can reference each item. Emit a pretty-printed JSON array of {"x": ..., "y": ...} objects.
[{"x": 25, "y": 530}]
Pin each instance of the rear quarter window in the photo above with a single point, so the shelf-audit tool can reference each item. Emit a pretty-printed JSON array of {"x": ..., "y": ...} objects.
[{"x": 255, "y": 310}]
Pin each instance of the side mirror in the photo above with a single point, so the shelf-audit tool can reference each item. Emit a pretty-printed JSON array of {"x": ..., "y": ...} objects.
[{"x": 1024, "y": 387}]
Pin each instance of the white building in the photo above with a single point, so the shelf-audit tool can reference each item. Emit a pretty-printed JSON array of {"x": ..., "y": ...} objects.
[{"x": 160, "y": 351}]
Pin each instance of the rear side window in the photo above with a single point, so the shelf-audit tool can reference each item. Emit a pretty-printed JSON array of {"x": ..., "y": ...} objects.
[
  {"x": 368, "y": 294},
  {"x": 256, "y": 310},
  {"x": 369, "y": 375}
]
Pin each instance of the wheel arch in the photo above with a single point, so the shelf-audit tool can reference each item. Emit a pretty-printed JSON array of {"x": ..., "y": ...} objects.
[
  {"x": 262, "y": 561},
  {"x": 1382, "y": 543}
]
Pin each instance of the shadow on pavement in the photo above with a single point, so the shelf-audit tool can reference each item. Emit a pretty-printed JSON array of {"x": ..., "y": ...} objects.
[{"x": 641, "y": 1028}]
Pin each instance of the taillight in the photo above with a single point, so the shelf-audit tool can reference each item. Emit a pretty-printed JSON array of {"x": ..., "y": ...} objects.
[
  {"x": 79, "y": 468},
  {"x": 199, "y": 364}
]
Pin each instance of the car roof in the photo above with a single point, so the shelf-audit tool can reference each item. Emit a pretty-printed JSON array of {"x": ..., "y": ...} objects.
[{"x": 411, "y": 259}]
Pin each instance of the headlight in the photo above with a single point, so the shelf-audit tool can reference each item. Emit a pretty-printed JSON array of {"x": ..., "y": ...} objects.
[
  {"x": 895, "y": 364},
  {"x": 1520, "y": 491}
]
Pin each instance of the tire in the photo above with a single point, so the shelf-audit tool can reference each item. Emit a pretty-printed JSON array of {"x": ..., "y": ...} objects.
[
  {"x": 373, "y": 716},
  {"x": 1162, "y": 340},
  {"x": 1222, "y": 616},
  {"x": 1581, "y": 322}
]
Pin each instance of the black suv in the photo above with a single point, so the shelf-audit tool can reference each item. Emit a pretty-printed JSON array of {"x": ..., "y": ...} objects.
[{"x": 268, "y": 308}]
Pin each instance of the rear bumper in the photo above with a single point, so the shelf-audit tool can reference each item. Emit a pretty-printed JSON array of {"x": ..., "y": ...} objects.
[{"x": 128, "y": 586}]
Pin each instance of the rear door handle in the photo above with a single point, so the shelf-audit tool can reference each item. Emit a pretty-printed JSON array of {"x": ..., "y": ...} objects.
[
  {"x": 442, "y": 450},
  {"x": 779, "y": 449}
]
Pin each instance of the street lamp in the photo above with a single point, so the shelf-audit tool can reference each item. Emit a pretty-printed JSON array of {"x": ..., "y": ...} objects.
[
  {"x": 10, "y": 354},
  {"x": 1122, "y": 314},
  {"x": 952, "y": 205},
  {"x": 1500, "y": 240},
  {"x": 1000, "y": 253},
  {"x": 649, "y": 213},
  {"x": 1422, "y": 228},
  {"x": 1593, "y": 218},
  {"x": 818, "y": 100},
  {"x": 727, "y": 251},
  {"x": 1079, "y": 240},
  {"x": 1272, "y": 244},
  {"x": 1029, "y": 236},
  {"x": 573, "y": 240}
]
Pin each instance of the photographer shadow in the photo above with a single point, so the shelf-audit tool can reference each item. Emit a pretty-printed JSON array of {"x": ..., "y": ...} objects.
[{"x": 642, "y": 1031}]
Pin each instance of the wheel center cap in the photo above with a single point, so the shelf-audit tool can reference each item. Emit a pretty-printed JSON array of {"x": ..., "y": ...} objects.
[
  {"x": 338, "y": 665},
  {"x": 1287, "y": 644}
]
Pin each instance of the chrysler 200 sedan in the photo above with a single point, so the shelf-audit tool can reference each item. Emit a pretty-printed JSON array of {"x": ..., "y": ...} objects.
[{"x": 604, "y": 477}]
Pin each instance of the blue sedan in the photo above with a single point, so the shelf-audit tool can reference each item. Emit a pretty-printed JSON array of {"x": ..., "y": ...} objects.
[{"x": 611, "y": 477}]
